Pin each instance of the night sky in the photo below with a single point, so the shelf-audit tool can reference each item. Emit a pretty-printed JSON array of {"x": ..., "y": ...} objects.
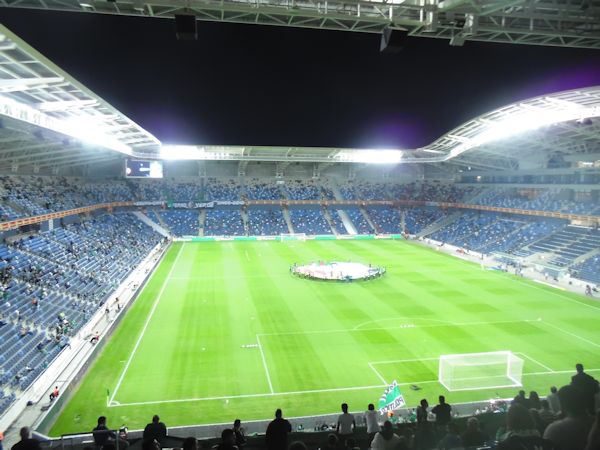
[{"x": 253, "y": 85}]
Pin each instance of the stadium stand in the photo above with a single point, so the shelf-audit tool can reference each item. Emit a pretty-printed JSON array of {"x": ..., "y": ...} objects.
[
  {"x": 223, "y": 223},
  {"x": 258, "y": 190},
  {"x": 386, "y": 220},
  {"x": 226, "y": 190},
  {"x": 181, "y": 222},
  {"x": 266, "y": 222},
  {"x": 51, "y": 284},
  {"x": 309, "y": 221}
]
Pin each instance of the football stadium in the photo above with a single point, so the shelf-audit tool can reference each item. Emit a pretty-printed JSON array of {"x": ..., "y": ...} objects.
[{"x": 437, "y": 296}]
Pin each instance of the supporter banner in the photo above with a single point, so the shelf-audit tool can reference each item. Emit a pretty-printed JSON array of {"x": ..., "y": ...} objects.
[
  {"x": 391, "y": 399},
  {"x": 149, "y": 203},
  {"x": 204, "y": 205}
]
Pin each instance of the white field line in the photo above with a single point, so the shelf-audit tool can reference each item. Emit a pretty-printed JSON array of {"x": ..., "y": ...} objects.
[
  {"x": 312, "y": 391},
  {"x": 407, "y": 319},
  {"x": 558, "y": 294},
  {"x": 378, "y": 374},
  {"x": 572, "y": 334},
  {"x": 391, "y": 361},
  {"x": 264, "y": 360},
  {"x": 148, "y": 319},
  {"x": 274, "y": 394},
  {"x": 534, "y": 361},
  {"x": 348, "y": 330}
]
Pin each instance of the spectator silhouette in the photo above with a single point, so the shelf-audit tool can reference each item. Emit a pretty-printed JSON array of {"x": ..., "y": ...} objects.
[
  {"x": 227, "y": 440},
  {"x": 386, "y": 439},
  {"x": 26, "y": 442},
  {"x": 521, "y": 399},
  {"x": 189, "y": 443},
  {"x": 588, "y": 385},
  {"x": 240, "y": 436},
  {"x": 156, "y": 430},
  {"x": 553, "y": 400},
  {"x": 422, "y": 413},
  {"x": 372, "y": 422},
  {"x": 571, "y": 431},
  {"x": 521, "y": 433},
  {"x": 473, "y": 436},
  {"x": 443, "y": 412},
  {"x": 277, "y": 432},
  {"x": 103, "y": 435},
  {"x": 534, "y": 400},
  {"x": 345, "y": 422}
]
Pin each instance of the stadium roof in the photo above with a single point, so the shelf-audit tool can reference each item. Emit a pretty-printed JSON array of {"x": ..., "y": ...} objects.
[
  {"x": 542, "y": 22},
  {"x": 50, "y": 120}
]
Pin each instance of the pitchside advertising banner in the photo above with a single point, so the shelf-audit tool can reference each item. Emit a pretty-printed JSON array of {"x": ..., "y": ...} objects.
[
  {"x": 190, "y": 205},
  {"x": 391, "y": 399}
]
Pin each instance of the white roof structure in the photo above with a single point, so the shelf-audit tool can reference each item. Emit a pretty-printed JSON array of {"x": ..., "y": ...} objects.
[
  {"x": 563, "y": 23},
  {"x": 48, "y": 116},
  {"x": 49, "y": 120}
]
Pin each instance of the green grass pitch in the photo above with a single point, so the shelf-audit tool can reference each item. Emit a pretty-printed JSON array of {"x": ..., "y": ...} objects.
[{"x": 222, "y": 330}]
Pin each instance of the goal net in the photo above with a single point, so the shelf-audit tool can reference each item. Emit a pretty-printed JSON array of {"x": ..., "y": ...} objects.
[
  {"x": 292, "y": 236},
  {"x": 472, "y": 371}
]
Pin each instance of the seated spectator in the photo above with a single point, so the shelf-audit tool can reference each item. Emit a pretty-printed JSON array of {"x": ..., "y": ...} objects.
[
  {"x": 571, "y": 431},
  {"x": 521, "y": 399},
  {"x": 546, "y": 416},
  {"x": 520, "y": 433},
  {"x": 26, "y": 442},
  {"x": 227, "y": 440},
  {"x": 189, "y": 443},
  {"x": 534, "y": 400},
  {"x": 386, "y": 439},
  {"x": 451, "y": 439},
  {"x": 473, "y": 436},
  {"x": 332, "y": 442},
  {"x": 102, "y": 435},
  {"x": 240, "y": 433},
  {"x": 350, "y": 444},
  {"x": 155, "y": 431}
]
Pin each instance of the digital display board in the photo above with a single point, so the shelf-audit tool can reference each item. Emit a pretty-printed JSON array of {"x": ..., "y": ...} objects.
[{"x": 137, "y": 168}]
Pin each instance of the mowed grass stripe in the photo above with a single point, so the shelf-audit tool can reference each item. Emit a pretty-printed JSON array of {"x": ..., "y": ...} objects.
[{"x": 223, "y": 294}]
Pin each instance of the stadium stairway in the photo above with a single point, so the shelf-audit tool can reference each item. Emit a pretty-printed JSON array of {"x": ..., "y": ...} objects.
[
  {"x": 201, "y": 222},
  {"x": 350, "y": 228},
  {"x": 288, "y": 219},
  {"x": 244, "y": 215},
  {"x": 329, "y": 220},
  {"x": 156, "y": 227},
  {"x": 439, "y": 224},
  {"x": 367, "y": 217}
]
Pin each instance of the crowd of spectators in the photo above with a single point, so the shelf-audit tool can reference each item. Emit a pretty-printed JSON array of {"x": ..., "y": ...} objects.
[
  {"x": 309, "y": 221},
  {"x": 53, "y": 282},
  {"x": 224, "y": 223}
]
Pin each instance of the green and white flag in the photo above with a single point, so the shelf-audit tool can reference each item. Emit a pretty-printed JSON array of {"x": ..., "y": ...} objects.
[{"x": 391, "y": 399}]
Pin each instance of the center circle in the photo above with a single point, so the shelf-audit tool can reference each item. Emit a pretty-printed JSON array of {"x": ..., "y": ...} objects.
[{"x": 337, "y": 271}]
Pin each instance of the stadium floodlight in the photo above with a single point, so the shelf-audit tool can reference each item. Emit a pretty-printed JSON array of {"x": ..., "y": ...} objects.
[
  {"x": 177, "y": 152},
  {"x": 475, "y": 371},
  {"x": 370, "y": 156}
]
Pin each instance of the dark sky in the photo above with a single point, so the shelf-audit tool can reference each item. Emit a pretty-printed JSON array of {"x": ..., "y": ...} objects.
[{"x": 252, "y": 85}]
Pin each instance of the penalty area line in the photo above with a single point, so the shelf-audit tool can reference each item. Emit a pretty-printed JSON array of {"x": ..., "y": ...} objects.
[
  {"x": 148, "y": 319},
  {"x": 264, "y": 361}
]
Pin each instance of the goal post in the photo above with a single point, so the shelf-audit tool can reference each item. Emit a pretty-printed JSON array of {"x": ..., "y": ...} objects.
[
  {"x": 292, "y": 237},
  {"x": 474, "y": 371}
]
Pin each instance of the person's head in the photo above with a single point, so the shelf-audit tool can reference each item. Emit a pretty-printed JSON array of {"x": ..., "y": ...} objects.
[
  {"x": 472, "y": 424},
  {"x": 237, "y": 423},
  {"x": 228, "y": 436},
  {"x": 519, "y": 418},
  {"x": 442, "y": 399},
  {"x": 571, "y": 400},
  {"x": 332, "y": 440},
  {"x": 553, "y": 389},
  {"x": 387, "y": 430},
  {"x": 344, "y": 407},
  {"x": 544, "y": 404},
  {"x": 424, "y": 403},
  {"x": 297, "y": 445},
  {"x": 278, "y": 413},
  {"x": 522, "y": 393},
  {"x": 350, "y": 443},
  {"x": 533, "y": 395},
  {"x": 189, "y": 443},
  {"x": 371, "y": 407},
  {"x": 579, "y": 368},
  {"x": 25, "y": 433},
  {"x": 155, "y": 419},
  {"x": 102, "y": 420}
]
